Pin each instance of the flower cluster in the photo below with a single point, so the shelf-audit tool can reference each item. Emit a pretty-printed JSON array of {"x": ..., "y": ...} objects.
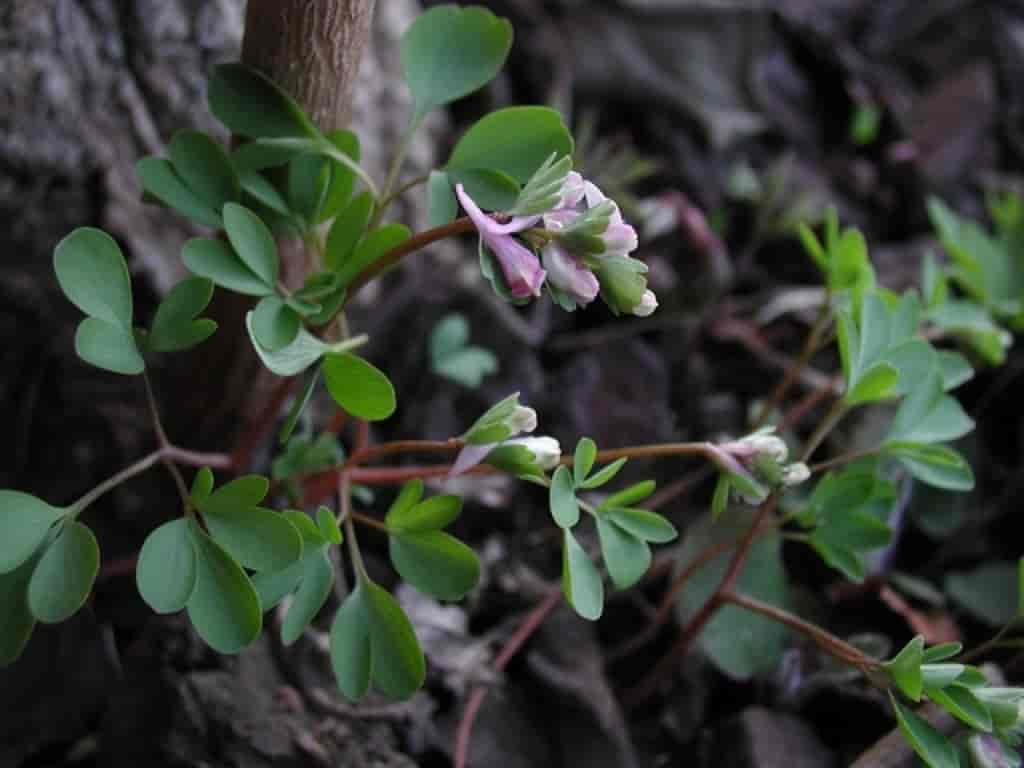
[
  {"x": 757, "y": 463},
  {"x": 583, "y": 241},
  {"x": 492, "y": 440}
]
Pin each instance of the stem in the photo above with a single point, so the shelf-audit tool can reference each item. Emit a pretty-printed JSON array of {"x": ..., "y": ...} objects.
[
  {"x": 400, "y": 251},
  {"x": 404, "y": 446},
  {"x": 832, "y": 418},
  {"x": 368, "y": 521},
  {"x": 331, "y": 151},
  {"x": 115, "y": 480},
  {"x": 345, "y": 513},
  {"x": 989, "y": 645},
  {"x": 411, "y": 184},
  {"x": 169, "y": 453},
  {"x": 845, "y": 458},
  {"x": 695, "y": 626},
  {"x": 793, "y": 371},
  {"x": 476, "y": 698},
  {"x": 828, "y": 642},
  {"x": 401, "y": 151},
  {"x": 161, "y": 437}
]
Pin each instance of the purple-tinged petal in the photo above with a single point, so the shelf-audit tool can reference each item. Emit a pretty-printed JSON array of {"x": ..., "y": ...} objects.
[
  {"x": 556, "y": 221},
  {"x": 519, "y": 264},
  {"x": 619, "y": 239},
  {"x": 469, "y": 457},
  {"x": 569, "y": 274},
  {"x": 572, "y": 191},
  {"x": 486, "y": 225}
]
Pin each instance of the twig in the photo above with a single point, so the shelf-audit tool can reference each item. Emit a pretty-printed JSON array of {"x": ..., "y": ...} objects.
[
  {"x": 640, "y": 693},
  {"x": 512, "y": 646},
  {"x": 828, "y": 642}
]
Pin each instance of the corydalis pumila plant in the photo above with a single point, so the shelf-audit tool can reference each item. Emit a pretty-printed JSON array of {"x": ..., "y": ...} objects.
[{"x": 228, "y": 558}]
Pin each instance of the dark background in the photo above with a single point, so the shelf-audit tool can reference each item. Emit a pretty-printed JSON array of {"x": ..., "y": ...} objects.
[{"x": 744, "y": 108}]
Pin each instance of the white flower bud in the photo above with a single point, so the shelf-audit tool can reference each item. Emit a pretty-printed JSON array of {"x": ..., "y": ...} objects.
[
  {"x": 765, "y": 444},
  {"x": 523, "y": 419},
  {"x": 795, "y": 474},
  {"x": 648, "y": 303},
  {"x": 546, "y": 450}
]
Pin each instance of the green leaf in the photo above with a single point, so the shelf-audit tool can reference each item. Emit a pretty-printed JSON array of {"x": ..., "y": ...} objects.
[
  {"x": 963, "y": 705},
  {"x": 347, "y": 229},
  {"x": 876, "y": 383},
  {"x": 109, "y": 347},
  {"x": 63, "y": 578},
  {"x": 309, "y": 176},
  {"x": 202, "y": 485},
  {"x": 205, "y": 168},
  {"x": 328, "y": 525},
  {"x": 645, "y": 525},
  {"x": 260, "y": 188},
  {"x": 929, "y": 744},
  {"x": 720, "y": 497},
  {"x": 24, "y": 523},
  {"x": 250, "y": 104},
  {"x": 224, "y": 607},
  {"x": 914, "y": 360},
  {"x": 448, "y": 52},
  {"x": 928, "y": 415},
  {"x": 583, "y": 460},
  {"x": 813, "y": 246},
  {"x": 604, "y": 475},
  {"x": 373, "y": 245},
  {"x": 435, "y": 562},
  {"x": 453, "y": 358},
  {"x": 562, "y": 499},
  {"x": 626, "y": 557},
  {"x": 581, "y": 583},
  {"x": 941, "y": 652},
  {"x": 631, "y": 495},
  {"x": 955, "y": 369},
  {"x": 93, "y": 275},
  {"x": 18, "y": 622},
  {"x": 739, "y": 643},
  {"x": 442, "y": 207},
  {"x": 214, "y": 259},
  {"x": 258, "y": 538},
  {"x": 934, "y": 465},
  {"x": 252, "y": 241},
  {"x": 303, "y": 352},
  {"x": 298, "y": 406},
  {"x": 351, "y": 652},
  {"x": 431, "y": 515},
  {"x": 515, "y": 141},
  {"x": 166, "y": 571},
  {"x": 905, "y": 668},
  {"x": 275, "y": 324},
  {"x": 245, "y": 491},
  {"x": 309, "y": 598},
  {"x": 175, "y": 326},
  {"x": 940, "y": 675},
  {"x": 989, "y": 592},
  {"x": 159, "y": 179},
  {"x": 398, "y": 665},
  {"x": 357, "y": 386},
  {"x": 491, "y": 189},
  {"x": 407, "y": 498},
  {"x": 339, "y": 189}
]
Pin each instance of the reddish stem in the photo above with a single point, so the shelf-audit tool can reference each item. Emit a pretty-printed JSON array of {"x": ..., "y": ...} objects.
[
  {"x": 512, "y": 646},
  {"x": 643, "y": 690}
]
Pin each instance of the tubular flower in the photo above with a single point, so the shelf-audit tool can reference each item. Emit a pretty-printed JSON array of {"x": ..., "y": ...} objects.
[{"x": 519, "y": 265}]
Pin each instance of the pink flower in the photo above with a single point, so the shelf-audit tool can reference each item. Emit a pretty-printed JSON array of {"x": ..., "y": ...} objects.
[
  {"x": 519, "y": 265},
  {"x": 569, "y": 274},
  {"x": 619, "y": 238}
]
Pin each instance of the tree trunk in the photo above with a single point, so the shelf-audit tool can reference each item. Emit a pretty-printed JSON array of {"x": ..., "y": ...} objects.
[{"x": 312, "y": 49}]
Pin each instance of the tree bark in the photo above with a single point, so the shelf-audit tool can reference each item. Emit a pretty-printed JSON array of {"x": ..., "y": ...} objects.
[{"x": 312, "y": 49}]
